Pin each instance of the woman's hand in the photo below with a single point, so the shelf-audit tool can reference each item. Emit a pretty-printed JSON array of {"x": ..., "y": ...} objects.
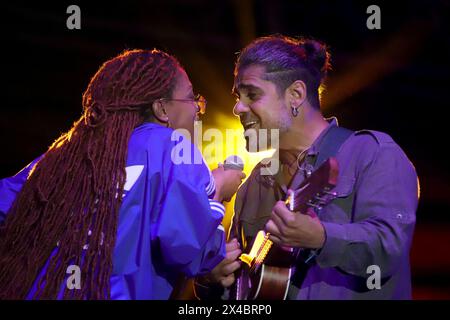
[{"x": 227, "y": 182}]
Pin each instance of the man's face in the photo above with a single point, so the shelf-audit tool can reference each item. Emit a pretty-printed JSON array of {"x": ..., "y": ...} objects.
[{"x": 259, "y": 106}]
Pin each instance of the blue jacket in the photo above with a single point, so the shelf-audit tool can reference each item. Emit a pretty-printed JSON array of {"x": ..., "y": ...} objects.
[{"x": 167, "y": 223}]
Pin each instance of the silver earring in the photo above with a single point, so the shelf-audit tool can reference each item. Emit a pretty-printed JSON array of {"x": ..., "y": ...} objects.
[{"x": 294, "y": 111}]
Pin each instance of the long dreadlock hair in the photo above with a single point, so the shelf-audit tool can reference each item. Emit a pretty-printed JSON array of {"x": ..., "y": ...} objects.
[{"x": 73, "y": 194}]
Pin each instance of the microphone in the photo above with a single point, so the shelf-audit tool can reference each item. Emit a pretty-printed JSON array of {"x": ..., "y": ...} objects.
[{"x": 233, "y": 162}]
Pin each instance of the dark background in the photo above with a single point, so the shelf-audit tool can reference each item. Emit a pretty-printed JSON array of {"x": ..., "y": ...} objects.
[{"x": 393, "y": 80}]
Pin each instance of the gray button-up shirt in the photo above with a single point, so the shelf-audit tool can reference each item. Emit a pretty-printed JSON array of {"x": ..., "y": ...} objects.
[{"x": 369, "y": 226}]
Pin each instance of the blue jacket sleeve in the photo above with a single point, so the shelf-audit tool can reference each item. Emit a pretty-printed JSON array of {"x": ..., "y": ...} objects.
[
  {"x": 384, "y": 217},
  {"x": 10, "y": 187},
  {"x": 188, "y": 229}
]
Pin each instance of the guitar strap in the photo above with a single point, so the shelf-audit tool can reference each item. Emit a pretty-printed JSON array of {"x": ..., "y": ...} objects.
[{"x": 329, "y": 148}]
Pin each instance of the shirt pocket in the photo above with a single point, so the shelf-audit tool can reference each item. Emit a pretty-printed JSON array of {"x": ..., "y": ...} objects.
[
  {"x": 254, "y": 221},
  {"x": 344, "y": 187},
  {"x": 341, "y": 207}
]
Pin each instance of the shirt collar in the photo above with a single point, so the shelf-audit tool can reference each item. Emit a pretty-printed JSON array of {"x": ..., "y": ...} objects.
[
  {"x": 315, "y": 147},
  {"x": 312, "y": 151}
]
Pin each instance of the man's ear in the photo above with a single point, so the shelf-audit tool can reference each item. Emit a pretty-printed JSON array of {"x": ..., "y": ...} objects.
[
  {"x": 159, "y": 111},
  {"x": 296, "y": 94}
]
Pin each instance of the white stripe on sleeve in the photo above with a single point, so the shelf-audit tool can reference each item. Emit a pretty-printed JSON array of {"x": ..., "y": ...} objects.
[{"x": 217, "y": 206}]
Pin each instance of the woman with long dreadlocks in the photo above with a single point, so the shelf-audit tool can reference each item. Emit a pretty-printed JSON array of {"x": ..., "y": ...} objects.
[{"x": 109, "y": 198}]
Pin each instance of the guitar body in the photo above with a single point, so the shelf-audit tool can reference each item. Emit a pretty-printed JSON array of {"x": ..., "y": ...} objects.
[
  {"x": 269, "y": 283},
  {"x": 267, "y": 268}
]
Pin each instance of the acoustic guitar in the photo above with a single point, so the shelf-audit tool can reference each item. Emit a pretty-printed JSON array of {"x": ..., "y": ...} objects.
[{"x": 267, "y": 268}]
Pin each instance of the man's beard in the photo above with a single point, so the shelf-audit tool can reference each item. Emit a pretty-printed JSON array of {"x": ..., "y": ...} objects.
[
  {"x": 262, "y": 139},
  {"x": 284, "y": 122}
]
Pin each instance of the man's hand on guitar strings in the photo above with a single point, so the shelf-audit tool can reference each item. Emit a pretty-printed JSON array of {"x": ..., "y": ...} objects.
[
  {"x": 294, "y": 229},
  {"x": 223, "y": 273}
]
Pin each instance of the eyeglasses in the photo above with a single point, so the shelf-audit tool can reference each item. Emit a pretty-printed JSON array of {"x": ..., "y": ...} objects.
[{"x": 200, "y": 101}]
